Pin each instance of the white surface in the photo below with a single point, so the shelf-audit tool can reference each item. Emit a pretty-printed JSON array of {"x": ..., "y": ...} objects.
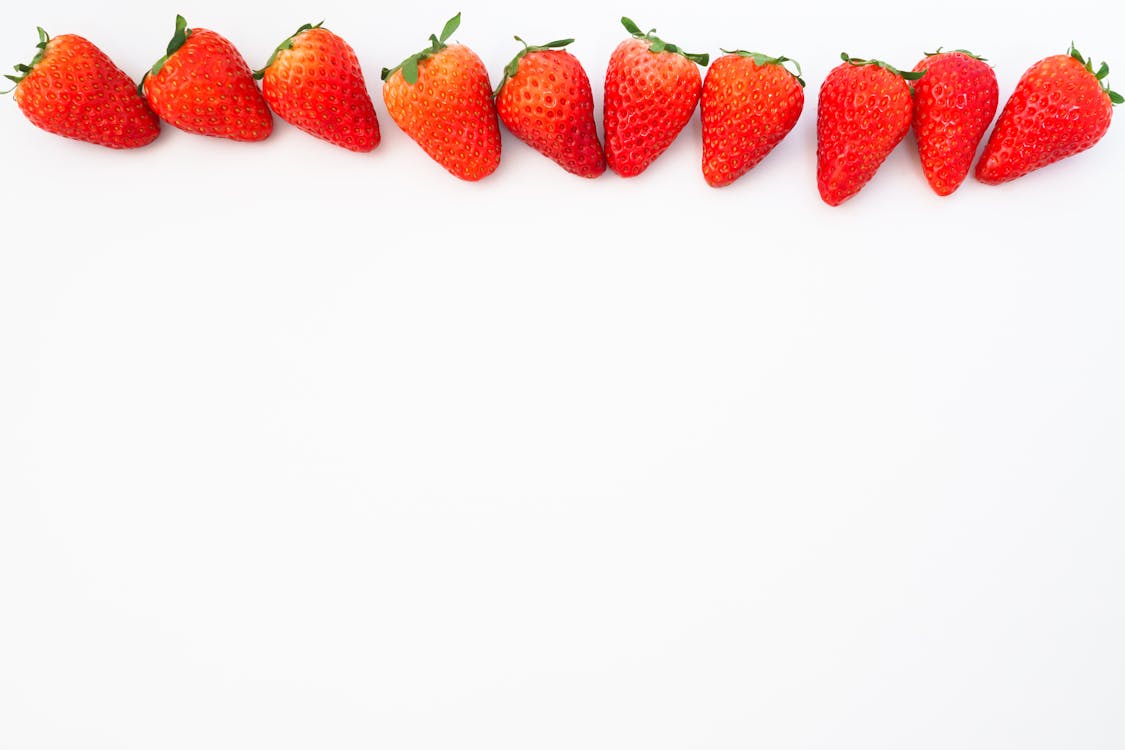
[{"x": 300, "y": 448}]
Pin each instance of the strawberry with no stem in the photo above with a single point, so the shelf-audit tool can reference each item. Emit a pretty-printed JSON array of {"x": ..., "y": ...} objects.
[
  {"x": 954, "y": 103},
  {"x": 202, "y": 85},
  {"x": 864, "y": 112},
  {"x": 546, "y": 101},
  {"x": 750, "y": 103},
  {"x": 71, "y": 88},
  {"x": 1060, "y": 107},
  {"x": 651, "y": 90},
  {"x": 441, "y": 97},
  {"x": 313, "y": 81}
]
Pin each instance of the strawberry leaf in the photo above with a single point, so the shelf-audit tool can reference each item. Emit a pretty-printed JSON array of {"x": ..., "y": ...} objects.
[
  {"x": 409, "y": 66},
  {"x": 180, "y": 36},
  {"x": 631, "y": 27},
  {"x": 22, "y": 69},
  {"x": 513, "y": 67},
  {"x": 410, "y": 70},
  {"x": 450, "y": 27}
]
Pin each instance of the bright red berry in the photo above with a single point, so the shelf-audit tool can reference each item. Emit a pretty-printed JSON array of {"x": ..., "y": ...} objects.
[
  {"x": 1060, "y": 107},
  {"x": 864, "y": 112},
  {"x": 546, "y": 101},
  {"x": 71, "y": 88},
  {"x": 954, "y": 103},
  {"x": 202, "y": 85},
  {"x": 441, "y": 97},
  {"x": 313, "y": 81},
  {"x": 750, "y": 103},
  {"x": 651, "y": 91}
]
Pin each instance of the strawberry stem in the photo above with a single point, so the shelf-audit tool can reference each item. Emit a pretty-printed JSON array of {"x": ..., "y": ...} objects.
[
  {"x": 23, "y": 69},
  {"x": 657, "y": 45},
  {"x": 962, "y": 51},
  {"x": 906, "y": 75},
  {"x": 1103, "y": 71},
  {"x": 514, "y": 66},
  {"x": 409, "y": 66},
  {"x": 180, "y": 36},
  {"x": 760, "y": 59},
  {"x": 287, "y": 44}
]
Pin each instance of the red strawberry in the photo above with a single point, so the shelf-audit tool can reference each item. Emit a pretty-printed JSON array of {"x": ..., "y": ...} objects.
[
  {"x": 313, "y": 81},
  {"x": 750, "y": 102},
  {"x": 954, "y": 103},
  {"x": 651, "y": 89},
  {"x": 545, "y": 100},
  {"x": 202, "y": 85},
  {"x": 72, "y": 89},
  {"x": 1060, "y": 107},
  {"x": 442, "y": 99},
  {"x": 864, "y": 112}
]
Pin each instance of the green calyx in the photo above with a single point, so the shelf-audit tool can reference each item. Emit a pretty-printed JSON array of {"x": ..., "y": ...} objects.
[
  {"x": 409, "y": 66},
  {"x": 514, "y": 66},
  {"x": 658, "y": 45},
  {"x": 1088, "y": 63},
  {"x": 287, "y": 44},
  {"x": 760, "y": 59},
  {"x": 178, "y": 38},
  {"x": 962, "y": 51},
  {"x": 905, "y": 75},
  {"x": 21, "y": 69}
]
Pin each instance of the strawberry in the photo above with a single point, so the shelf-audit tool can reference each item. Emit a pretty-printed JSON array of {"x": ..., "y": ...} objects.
[
  {"x": 1060, "y": 107},
  {"x": 651, "y": 89},
  {"x": 202, "y": 85},
  {"x": 750, "y": 102},
  {"x": 313, "y": 81},
  {"x": 546, "y": 101},
  {"x": 441, "y": 97},
  {"x": 71, "y": 88},
  {"x": 954, "y": 103},
  {"x": 864, "y": 112}
]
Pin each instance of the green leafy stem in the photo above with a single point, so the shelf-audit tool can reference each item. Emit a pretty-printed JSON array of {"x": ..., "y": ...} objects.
[
  {"x": 909, "y": 75},
  {"x": 1088, "y": 63},
  {"x": 760, "y": 59},
  {"x": 409, "y": 66},
  {"x": 514, "y": 66},
  {"x": 178, "y": 38},
  {"x": 22, "y": 69},
  {"x": 657, "y": 45},
  {"x": 287, "y": 44}
]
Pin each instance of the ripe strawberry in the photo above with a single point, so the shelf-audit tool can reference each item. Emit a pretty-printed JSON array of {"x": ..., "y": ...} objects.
[
  {"x": 72, "y": 89},
  {"x": 750, "y": 102},
  {"x": 442, "y": 99},
  {"x": 864, "y": 112},
  {"x": 545, "y": 100},
  {"x": 202, "y": 85},
  {"x": 651, "y": 89},
  {"x": 954, "y": 103},
  {"x": 313, "y": 81},
  {"x": 1060, "y": 107}
]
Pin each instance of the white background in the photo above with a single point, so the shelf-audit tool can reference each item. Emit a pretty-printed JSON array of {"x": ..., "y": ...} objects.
[{"x": 301, "y": 448}]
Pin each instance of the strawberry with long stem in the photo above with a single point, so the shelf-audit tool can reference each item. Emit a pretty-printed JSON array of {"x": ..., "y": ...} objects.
[
  {"x": 864, "y": 111},
  {"x": 546, "y": 101},
  {"x": 441, "y": 97},
  {"x": 652, "y": 88},
  {"x": 203, "y": 85},
  {"x": 71, "y": 88},
  {"x": 1061, "y": 107},
  {"x": 313, "y": 81},
  {"x": 954, "y": 103},
  {"x": 750, "y": 103}
]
